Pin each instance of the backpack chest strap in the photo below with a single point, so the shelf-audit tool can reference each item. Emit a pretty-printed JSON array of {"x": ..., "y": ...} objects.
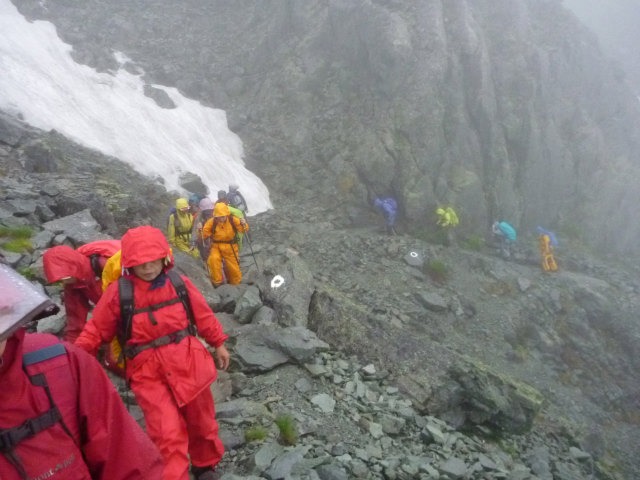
[
  {"x": 156, "y": 307},
  {"x": 11, "y": 437}
]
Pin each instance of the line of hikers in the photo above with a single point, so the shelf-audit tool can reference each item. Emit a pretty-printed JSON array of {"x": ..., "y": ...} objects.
[
  {"x": 149, "y": 316},
  {"x": 152, "y": 315},
  {"x": 212, "y": 231},
  {"x": 504, "y": 234},
  {"x": 58, "y": 409}
]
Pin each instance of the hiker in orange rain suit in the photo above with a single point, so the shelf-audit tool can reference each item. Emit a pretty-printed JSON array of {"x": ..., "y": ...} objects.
[
  {"x": 222, "y": 229},
  {"x": 169, "y": 370},
  {"x": 546, "y": 252},
  {"x": 82, "y": 284}
]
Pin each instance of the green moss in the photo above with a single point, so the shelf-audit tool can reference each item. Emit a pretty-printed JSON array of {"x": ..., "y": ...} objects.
[
  {"x": 437, "y": 271},
  {"x": 16, "y": 239},
  {"x": 288, "y": 431},
  {"x": 255, "y": 434},
  {"x": 521, "y": 353},
  {"x": 17, "y": 245},
  {"x": 28, "y": 272},
  {"x": 531, "y": 397},
  {"x": 15, "y": 232},
  {"x": 509, "y": 447},
  {"x": 608, "y": 468}
]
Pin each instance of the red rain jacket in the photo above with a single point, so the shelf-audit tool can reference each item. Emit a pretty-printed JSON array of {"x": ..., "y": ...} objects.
[
  {"x": 63, "y": 261},
  {"x": 107, "y": 443},
  {"x": 187, "y": 366}
]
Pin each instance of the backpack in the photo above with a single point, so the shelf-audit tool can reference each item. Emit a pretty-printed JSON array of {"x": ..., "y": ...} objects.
[
  {"x": 176, "y": 223},
  {"x": 236, "y": 200},
  {"x": 127, "y": 310},
  {"x": 10, "y": 438}
]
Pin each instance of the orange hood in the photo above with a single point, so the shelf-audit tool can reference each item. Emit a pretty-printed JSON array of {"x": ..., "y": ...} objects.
[{"x": 221, "y": 209}]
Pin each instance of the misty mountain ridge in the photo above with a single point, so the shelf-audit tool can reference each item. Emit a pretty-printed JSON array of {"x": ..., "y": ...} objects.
[{"x": 506, "y": 111}]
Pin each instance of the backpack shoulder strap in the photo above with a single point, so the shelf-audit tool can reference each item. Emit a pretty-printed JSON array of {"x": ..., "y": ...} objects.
[
  {"x": 183, "y": 295},
  {"x": 43, "y": 354},
  {"x": 125, "y": 292}
]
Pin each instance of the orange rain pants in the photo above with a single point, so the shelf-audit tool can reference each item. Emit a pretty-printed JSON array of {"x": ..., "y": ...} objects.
[
  {"x": 224, "y": 248},
  {"x": 546, "y": 252}
]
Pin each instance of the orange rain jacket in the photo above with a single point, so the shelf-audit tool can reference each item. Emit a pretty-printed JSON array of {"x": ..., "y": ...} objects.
[{"x": 224, "y": 245}]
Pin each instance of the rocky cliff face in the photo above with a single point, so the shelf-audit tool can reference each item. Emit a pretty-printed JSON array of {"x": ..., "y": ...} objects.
[{"x": 503, "y": 109}]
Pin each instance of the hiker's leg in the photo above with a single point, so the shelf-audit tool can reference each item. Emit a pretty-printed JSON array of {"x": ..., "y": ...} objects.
[
  {"x": 215, "y": 264},
  {"x": 234, "y": 274},
  {"x": 205, "y": 447},
  {"x": 165, "y": 425}
]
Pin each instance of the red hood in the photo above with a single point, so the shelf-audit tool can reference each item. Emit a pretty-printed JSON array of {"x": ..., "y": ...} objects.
[
  {"x": 63, "y": 261},
  {"x": 104, "y": 248},
  {"x": 144, "y": 244}
]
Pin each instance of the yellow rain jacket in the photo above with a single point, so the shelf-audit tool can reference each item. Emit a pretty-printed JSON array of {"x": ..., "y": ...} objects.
[
  {"x": 447, "y": 217},
  {"x": 180, "y": 226}
]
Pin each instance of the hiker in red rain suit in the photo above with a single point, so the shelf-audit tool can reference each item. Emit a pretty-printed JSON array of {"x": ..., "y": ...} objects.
[
  {"x": 170, "y": 371},
  {"x": 82, "y": 283},
  {"x": 60, "y": 416}
]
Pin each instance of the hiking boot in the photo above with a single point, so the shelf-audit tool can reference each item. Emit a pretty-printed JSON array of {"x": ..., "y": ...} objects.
[
  {"x": 210, "y": 475},
  {"x": 205, "y": 473}
]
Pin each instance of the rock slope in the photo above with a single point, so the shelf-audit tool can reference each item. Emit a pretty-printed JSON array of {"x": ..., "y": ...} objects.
[{"x": 392, "y": 357}]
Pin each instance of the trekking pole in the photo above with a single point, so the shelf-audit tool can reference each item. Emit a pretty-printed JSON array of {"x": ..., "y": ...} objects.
[{"x": 246, "y": 234}]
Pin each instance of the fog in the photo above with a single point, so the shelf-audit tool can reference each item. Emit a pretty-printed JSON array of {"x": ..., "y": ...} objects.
[{"x": 615, "y": 22}]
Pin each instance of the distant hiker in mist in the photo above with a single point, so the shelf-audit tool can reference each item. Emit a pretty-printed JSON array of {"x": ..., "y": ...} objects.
[
  {"x": 236, "y": 199},
  {"x": 388, "y": 207},
  {"x": 447, "y": 219},
  {"x": 546, "y": 243},
  {"x": 506, "y": 236}
]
